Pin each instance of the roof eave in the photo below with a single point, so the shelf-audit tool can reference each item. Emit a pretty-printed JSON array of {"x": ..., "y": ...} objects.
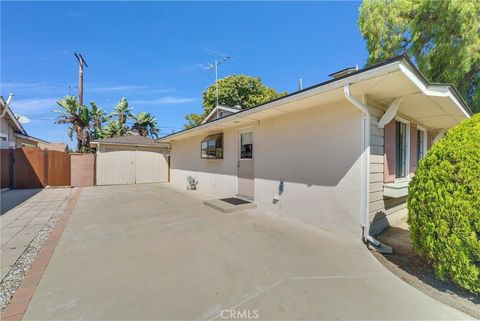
[
  {"x": 160, "y": 145},
  {"x": 380, "y": 69}
]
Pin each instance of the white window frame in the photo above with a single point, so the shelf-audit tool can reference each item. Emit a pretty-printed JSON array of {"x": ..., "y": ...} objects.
[
  {"x": 4, "y": 136},
  {"x": 425, "y": 145},
  {"x": 407, "y": 161}
]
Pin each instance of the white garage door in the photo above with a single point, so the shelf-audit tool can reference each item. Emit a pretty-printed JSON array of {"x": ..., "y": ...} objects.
[
  {"x": 150, "y": 166},
  {"x": 130, "y": 165}
]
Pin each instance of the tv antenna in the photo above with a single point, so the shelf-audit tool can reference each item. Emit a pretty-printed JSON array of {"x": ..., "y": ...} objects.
[
  {"x": 214, "y": 65},
  {"x": 81, "y": 62}
]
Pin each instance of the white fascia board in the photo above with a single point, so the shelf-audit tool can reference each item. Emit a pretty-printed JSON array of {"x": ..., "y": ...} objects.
[
  {"x": 233, "y": 110},
  {"x": 306, "y": 93},
  {"x": 433, "y": 90},
  {"x": 161, "y": 145},
  {"x": 31, "y": 138},
  {"x": 214, "y": 110},
  {"x": 14, "y": 119}
]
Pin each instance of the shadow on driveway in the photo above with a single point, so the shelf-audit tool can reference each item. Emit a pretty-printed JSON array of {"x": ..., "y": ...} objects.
[{"x": 15, "y": 197}]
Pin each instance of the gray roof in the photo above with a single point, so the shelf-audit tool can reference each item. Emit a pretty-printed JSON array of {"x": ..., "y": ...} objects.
[{"x": 135, "y": 140}]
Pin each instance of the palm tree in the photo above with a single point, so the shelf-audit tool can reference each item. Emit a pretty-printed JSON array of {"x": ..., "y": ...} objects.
[
  {"x": 122, "y": 111},
  {"x": 78, "y": 117},
  {"x": 114, "y": 129},
  {"x": 98, "y": 117},
  {"x": 145, "y": 124}
]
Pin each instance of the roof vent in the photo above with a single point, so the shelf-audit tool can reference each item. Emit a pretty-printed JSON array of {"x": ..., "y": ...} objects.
[
  {"x": 10, "y": 97},
  {"x": 344, "y": 72}
]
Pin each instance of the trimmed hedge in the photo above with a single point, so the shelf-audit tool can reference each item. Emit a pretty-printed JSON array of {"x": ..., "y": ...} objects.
[{"x": 444, "y": 206}]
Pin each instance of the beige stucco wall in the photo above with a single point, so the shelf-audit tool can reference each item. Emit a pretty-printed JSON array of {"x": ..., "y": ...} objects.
[
  {"x": 61, "y": 147},
  {"x": 315, "y": 151},
  {"x": 215, "y": 176},
  {"x": 26, "y": 142},
  {"x": 82, "y": 169}
]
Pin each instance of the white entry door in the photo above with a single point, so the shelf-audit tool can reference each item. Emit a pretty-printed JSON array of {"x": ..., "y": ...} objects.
[{"x": 245, "y": 164}]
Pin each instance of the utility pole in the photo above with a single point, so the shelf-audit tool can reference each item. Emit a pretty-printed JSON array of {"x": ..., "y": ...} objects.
[
  {"x": 81, "y": 62},
  {"x": 215, "y": 65}
]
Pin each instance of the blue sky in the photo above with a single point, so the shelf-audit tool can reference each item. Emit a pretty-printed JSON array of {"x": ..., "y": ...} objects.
[{"x": 153, "y": 52}]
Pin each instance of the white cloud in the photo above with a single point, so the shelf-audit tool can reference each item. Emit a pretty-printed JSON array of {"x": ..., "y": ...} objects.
[
  {"x": 168, "y": 100},
  {"x": 138, "y": 88},
  {"x": 21, "y": 88},
  {"x": 63, "y": 89},
  {"x": 33, "y": 106}
]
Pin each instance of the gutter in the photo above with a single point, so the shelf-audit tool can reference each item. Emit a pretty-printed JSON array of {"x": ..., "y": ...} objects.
[
  {"x": 332, "y": 84},
  {"x": 365, "y": 173}
]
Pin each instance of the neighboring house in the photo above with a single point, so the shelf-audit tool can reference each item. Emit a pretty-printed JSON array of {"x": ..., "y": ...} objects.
[
  {"x": 130, "y": 159},
  {"x": 30, "y": 141},
  {"x": 221, "y": 111},
  {"x": 9, "y": 126},
  {"x": 12, "y": 133},
  {"x": 337, "y": 155}
]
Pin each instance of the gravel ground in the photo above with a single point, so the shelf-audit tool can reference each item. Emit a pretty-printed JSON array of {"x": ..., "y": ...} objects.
[
  {"x": 414, "y": 270},
  {"x": 13, "y": 279}
]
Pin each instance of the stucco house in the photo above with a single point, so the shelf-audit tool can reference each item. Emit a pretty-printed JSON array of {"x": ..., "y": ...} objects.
[
  {"x": 13, "y": 135},
  {"x": 9, "y": 126},
  {"x": 337, "y": 155}
]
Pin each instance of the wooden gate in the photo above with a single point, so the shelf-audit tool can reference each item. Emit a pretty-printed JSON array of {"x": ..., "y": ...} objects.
[
  {"x": 58, "y": 172},
  {"x": 28, "y": 167}
]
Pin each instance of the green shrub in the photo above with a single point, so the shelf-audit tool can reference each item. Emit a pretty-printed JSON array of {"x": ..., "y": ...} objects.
[{"x": 444, "y": 206}]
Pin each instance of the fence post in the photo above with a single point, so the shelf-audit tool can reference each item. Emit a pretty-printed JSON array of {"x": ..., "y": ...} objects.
[
  {"x": 11, "y": 171},
  {"x": 45, "y": 167}
]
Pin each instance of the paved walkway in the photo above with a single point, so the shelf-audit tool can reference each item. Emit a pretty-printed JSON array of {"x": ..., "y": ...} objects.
[
  {"x": 152, "y": 252},
  {"x": 20, "y": 225}
]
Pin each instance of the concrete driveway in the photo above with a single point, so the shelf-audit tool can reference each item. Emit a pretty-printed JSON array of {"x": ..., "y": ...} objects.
[{"x": 154, "y": 252}]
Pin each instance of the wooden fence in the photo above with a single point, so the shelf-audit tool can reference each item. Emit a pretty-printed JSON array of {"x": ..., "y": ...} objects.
[{"x": 28, "y": 167}]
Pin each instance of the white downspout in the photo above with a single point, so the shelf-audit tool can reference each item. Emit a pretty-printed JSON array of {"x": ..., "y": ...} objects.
[{"x": 365, "y": 162}]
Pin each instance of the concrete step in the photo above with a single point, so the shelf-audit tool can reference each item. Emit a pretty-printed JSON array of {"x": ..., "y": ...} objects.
[{"x": 226, "y": 207}]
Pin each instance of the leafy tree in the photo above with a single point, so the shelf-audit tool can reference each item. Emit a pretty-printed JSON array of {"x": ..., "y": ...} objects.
[
  {"x": 192, "y": 120},
  {"x": 88, "y": 123},
  {"x": 122, "y": 111},
  {"x": 242, "y": 90},
  {"x": 115, "y": 128},
  {"x": 145, "y": 124},
  {"x": 98, "y": 118},
  {"x": 442, "y": 36},
  {"x": 78, "y": 117}
]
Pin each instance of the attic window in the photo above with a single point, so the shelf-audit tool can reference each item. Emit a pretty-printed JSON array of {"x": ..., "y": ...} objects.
[{"x": 212, "y": 147}]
